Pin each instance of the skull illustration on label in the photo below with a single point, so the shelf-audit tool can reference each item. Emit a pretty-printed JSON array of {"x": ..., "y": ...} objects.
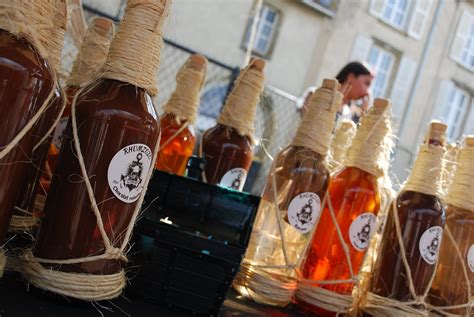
[
  {"x": 128, "y": 170},
  {"x": 303, "y": 211},
  {"x": 429, "y": 244},
  {"x": 235, "y": 179},
  {"x": 361, "y": 230},
  {"x": 470, "y": 258}
]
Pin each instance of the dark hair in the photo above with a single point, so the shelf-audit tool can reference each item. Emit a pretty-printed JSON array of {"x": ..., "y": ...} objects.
[{"x": 356, "y": 68}]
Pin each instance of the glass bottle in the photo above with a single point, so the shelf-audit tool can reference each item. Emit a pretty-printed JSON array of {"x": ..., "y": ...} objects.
[
  {"x": 355, "y": 199},
  {"x": 422, "y": 218},
  {"x": 227, "y": 147},
  {"x": 450, "y": 286},
  {"x": 118, "y": 131},
  {"x": 90, "y": 58},
  {"x": 26, "y": 81},
  {"x": 300, "y": 177},
  {"x": 177, "y": 123},
  {"x": 24, "y": 217}
]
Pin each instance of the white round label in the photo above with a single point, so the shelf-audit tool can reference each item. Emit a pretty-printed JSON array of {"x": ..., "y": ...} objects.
[
  {"x": 235, "y": 179},
  {"x": 303, "y": 211},
  {"x": 429, "y": 244},
  {"x": 361, "y": 230},
  {"x": 470, "y": 258},
  {"x": 58, "y": 133},
  {"x": 128, "y": 170}
]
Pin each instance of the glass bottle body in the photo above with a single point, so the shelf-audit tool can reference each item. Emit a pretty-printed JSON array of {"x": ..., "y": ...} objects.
[
  {"x": 111, "y": 118},
  {"x": 355, "y": 200},
  {"x": 422, "y": 218},
  {"x": 300, "y": 178},
  {"x": 228, "y": 156},
  {"x": 55, "y": 144},
  {"x": 450, "y": 287},
  {"x": 173, "y": 157},
  {"x": 25, "y": 83},
  {"x": 27, "y": 197}
]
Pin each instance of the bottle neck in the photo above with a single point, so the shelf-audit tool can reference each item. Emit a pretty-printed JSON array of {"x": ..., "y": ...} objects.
[
  {"x": 134, "y": 54},
  {"x": 461, "y": 191}
]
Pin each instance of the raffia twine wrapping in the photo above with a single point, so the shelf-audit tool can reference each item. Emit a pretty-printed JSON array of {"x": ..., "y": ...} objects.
[
  {"x": 264, "y": 282},
  {"x": 461, "y": 195},
  {"x": 135, "y": 59},
  {"x": 92, "y": 52},
  {"x": 239, "y": 109},
  {"x": 341, "y": 141},
  {"x": 425, "y": 178},
  {"x": 450, "y": 159},
  {"x": 89, "y": 286},
  {"x": 53, "y": 40},
  {"x": 315, "y": 130},
  {"x": 370, "y": 151}
]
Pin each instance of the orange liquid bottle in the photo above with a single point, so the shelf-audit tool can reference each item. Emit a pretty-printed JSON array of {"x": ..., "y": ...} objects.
[
  {"x": 26, "y": 88},
  {"x": 177, "y": 123},
  {"x": 355, "y": 199},
  {"x": 24, "y": 218},
  {"x": 454, "y": 281},
  {"x": 421, "y": 219},
  {"x": 290, "y": 205},
  {"x": 86, "y": 67},
  {"x": 227, "y": 147}
]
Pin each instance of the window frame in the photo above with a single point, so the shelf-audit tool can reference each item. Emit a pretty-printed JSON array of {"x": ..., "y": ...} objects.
[
  {"x": 272, "y": 36},
  {"x": 456, "y": 127},
  {"x": 388, "y": 74},
  {"x": 389, "y": 21}
]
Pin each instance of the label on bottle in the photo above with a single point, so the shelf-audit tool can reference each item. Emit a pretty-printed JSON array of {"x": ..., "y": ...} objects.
[
  {"x": 58, "y": 133},
  {"x": 470, "y": 258},
  {"x": 429, "y": 244},
  {"x": 235, "y": 179},
  {"x": 128, "y": 170},
  {"x": 361, "y": 230},
  {"x": 303, "y": 211}
]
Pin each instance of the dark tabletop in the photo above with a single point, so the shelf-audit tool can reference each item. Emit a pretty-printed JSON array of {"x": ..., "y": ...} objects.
[{"x": 16, "y": 299}]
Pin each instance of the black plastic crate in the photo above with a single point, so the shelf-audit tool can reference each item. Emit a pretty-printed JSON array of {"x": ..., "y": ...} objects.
[{"x": 190, "y": 242}]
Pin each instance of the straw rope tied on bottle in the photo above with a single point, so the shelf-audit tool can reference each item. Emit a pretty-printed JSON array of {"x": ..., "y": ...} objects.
[
  {"x": 330, "y": 270},
  {"x": 177, "y": 123},
  {"x": 452, "y": 291},
  {"x": 340, "y": 143},
  {"x": 228, "y": 146},
  {"x": 409, "y": 249},
  {"x": 21, "y": 22},
  {"x": 81, "y": 245},
  {"x": 290, "y": 204},
  {"x": 23, "y": 218}
]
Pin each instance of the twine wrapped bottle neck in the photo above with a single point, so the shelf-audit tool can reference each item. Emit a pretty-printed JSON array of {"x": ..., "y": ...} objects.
[
  {"x": 342, "y": 140},
  {"x": 316, "y": 127},
  {"x": 134, "y": 54},
  {"x": 371, "y": 146},
  {"x": 92, "y": 53},
  {"x": 462, "y": 187},
  {"x": 27, "y": 19},
  {"x": 184, "y": 101},
  {"x": 239, "y": 110},
  {"x": 54, "y": 38}
]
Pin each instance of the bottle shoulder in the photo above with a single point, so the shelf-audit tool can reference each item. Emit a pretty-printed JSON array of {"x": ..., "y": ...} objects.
[
  {"x": 221, "y": 135},
  {"x": 300, "y": 160}
]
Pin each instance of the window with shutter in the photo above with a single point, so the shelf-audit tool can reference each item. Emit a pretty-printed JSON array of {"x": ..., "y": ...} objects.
[
  {"x": 462, "y": 48},
  {"x": 419, "y": 18},
  {"x": 402, "y": 86},
  {"x": 393, "y": 12},
  {"x": 266, "y": 31},
  {"x": 382, "y": 62}
]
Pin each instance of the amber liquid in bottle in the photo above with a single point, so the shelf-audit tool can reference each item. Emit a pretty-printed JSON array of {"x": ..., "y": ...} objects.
[
  {"x": 110, "y": 117},
  {"x": 356, "y": 201},
  {"x": 354, "y": 196},
  {"x": 227, "y": 152},
  {"x": 422, "y": 219},
  {"x": 25, "y": 83},
  {"x": 301, "y": 177},
  {"x": 449, "y": 287},
  {"x": 173, "y": 157}
]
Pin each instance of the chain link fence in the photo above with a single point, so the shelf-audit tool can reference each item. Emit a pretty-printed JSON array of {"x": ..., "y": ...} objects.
[{"x": 277, "y": 116}]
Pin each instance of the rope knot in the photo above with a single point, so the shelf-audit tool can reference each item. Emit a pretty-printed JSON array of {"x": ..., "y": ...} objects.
[{"x": 115, "y": 253}]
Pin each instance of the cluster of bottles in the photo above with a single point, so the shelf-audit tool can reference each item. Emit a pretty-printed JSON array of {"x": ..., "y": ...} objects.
[{"x": 336, "y": 242}]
